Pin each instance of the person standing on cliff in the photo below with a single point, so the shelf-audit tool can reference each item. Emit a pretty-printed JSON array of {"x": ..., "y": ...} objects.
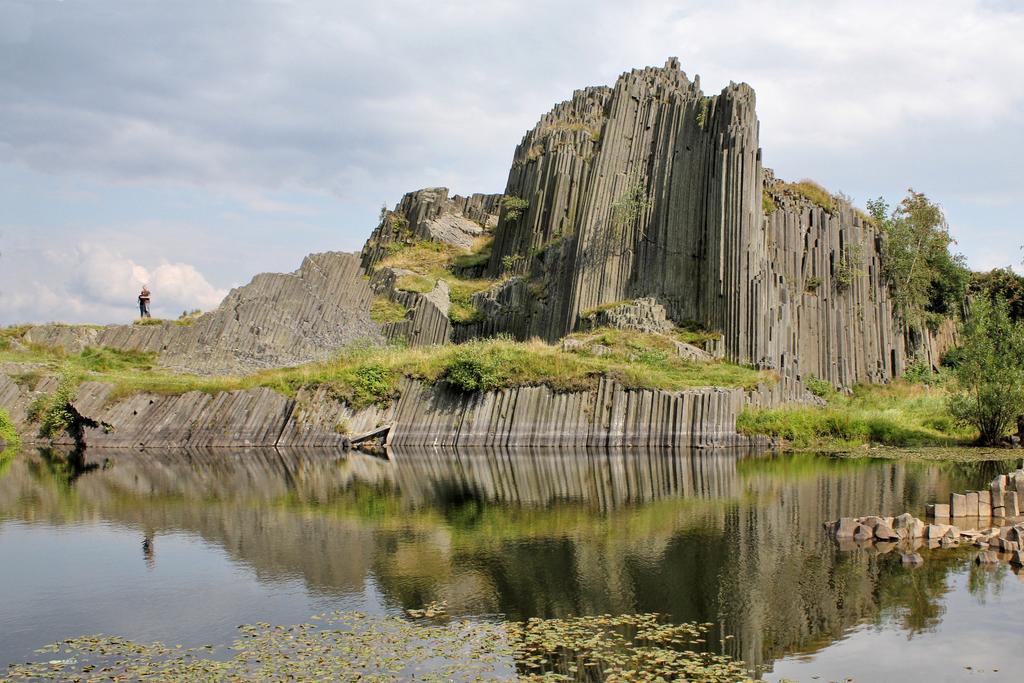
[{"x": 144, "y": 302}]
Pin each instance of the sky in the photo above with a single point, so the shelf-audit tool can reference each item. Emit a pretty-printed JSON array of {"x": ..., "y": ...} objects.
[{"x": 192, "y": 144}]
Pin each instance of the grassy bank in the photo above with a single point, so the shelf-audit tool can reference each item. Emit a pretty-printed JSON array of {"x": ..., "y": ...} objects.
[
  {"x": 901, "y": 415},
  {"x": 362, "y": 376}
]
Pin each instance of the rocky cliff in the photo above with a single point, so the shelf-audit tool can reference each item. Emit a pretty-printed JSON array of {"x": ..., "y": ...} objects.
[
  {"x": 276, "y": 320},
  {"x": 653, "y": 189},
  {"x": 643, "y": 204},
  {"x": 611, "y": 416}
]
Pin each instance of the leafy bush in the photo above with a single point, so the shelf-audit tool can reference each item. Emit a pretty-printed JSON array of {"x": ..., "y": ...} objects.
[
  {"x": 53, "y": 412},
  {"x": 631, "y": 205},
  {"x": 819, "y": 387},
  {"x": 365, "y": 385},
  {"x": 510, "y": 261},
  {"x": 514, "y": 207},
  {"x": 922, "y": 273},
  {"x": 8, "y": 434},
  {"x": 952, "y": 357},
  {"x": 990, "y": 374},
  {"x": 848, "y": 266},
  {"x": 920, "y": 372},
  {"x": 472, "y": 371},
  {"x": 702, "y": 111}
]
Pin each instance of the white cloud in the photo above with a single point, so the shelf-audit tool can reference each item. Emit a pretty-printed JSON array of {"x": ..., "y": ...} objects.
[
  {"x": 91, "y": 283},
  {"x": 366, "y": 101}
]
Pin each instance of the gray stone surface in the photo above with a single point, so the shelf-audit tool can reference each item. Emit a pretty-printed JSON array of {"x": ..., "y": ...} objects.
[
  {"x": 987, "y": 557},
  {"x": 608, "y": 416},
  {"x": 912, "y": 559},
  {"x": 278, "y": 319},
  {"x": 971, "y": 506},
  {"x": 846, "y": 527},
  {"x": 643, "y": 315},
  {"x": 1011, "y": 503},
  {"x": 652, "y": 189},
  {"x": 957, "y": 505},
  {"x": 984, "y": 504}
]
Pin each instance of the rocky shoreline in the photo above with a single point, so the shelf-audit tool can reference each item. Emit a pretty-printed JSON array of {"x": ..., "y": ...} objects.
[{"x": 998, "y": 534}]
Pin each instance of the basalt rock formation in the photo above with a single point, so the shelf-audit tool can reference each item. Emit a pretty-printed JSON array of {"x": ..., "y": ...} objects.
[
  {"x": 276, "y": 320},
  {"x": 652, "y": 189},
  {"x": 642, "y": 205}
]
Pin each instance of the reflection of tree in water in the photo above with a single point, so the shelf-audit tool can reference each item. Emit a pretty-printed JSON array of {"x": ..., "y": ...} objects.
[
  {"x": 715, "y": 537},
  {"x": 65, "y": 468},
  {"x": 914, "y": 597},
  {"x": 986, "y": 580}
]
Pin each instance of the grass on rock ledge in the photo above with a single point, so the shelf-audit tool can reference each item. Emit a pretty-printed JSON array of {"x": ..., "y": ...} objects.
[
  {"x": 364, "y": 375},
  {"x": 433, "y": 261},
  {"x": 901, "y": 415}
]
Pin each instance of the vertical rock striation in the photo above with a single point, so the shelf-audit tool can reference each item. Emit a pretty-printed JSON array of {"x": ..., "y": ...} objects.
[{"x": 652, "y": 189}]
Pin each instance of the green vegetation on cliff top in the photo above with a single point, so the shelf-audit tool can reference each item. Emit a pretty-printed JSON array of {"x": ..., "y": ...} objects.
[{"x": 367, "y": 375}]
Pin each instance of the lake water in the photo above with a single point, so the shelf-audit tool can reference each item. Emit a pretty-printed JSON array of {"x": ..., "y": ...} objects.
[{"x": 728, "y": 537}]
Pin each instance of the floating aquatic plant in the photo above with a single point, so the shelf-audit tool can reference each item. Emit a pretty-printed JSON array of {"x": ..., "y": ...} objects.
[{"x": 348, "y": 646}]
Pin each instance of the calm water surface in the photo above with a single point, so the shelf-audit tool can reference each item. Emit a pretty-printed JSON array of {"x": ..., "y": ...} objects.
[{"x": 732, "y": 538}]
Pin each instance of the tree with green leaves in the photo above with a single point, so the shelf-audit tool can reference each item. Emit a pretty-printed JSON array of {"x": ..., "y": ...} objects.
[
  {"x": 990, "y": 371},
  {"x": 926, "y": 279}
]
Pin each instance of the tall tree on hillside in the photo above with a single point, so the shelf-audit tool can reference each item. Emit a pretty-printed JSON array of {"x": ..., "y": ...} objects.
[
  {"x": 926, "y": 279},
  {"x": 990, "y": 370}
]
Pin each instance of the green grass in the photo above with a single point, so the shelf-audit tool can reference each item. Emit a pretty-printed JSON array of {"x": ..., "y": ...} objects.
[
  {"x": 434, "y": 261},
  {"x": 383, "y": 310},
  {"x": 421, "y": 284},
  {"x": 900, "y": 415},
  {"x": 362, "y": 376},
  {"x": 8, "y": 434},
  {"x": 812, "y": 192}
]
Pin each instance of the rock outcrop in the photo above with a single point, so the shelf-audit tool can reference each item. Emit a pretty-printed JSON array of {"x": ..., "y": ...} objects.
[
  {"x": 643, "y": 206},
  {"x": 276, "y": 320},
  {"x": 610, "y": 416},
  {"x": 652, "y": 189}
]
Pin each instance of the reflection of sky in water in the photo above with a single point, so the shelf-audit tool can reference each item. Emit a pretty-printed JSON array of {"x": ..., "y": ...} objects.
[
  {"x": 90, "y": 578},
  {"x": 985, "y": 634},
  {"x": 715, "y": 537}
]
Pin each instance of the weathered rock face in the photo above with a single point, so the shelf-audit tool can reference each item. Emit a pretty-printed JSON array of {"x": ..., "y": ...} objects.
[
  {"x": 640, "y": 190},
  {"x": 610, "y": 416},
  {"x": 276, "y": 320},
  {"x": 438, "y": 415},
  {"x": 643, "y": 315},
  {"x": 429, "y": 214},
  {"x": 652, "y": 189}
]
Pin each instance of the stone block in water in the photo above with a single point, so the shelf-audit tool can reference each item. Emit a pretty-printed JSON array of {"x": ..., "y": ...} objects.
[{"x": 957, "y": 505}]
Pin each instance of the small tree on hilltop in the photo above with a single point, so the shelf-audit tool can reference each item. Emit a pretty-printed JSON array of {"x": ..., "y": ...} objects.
[
  {"x": 990, "y": 372},
  {"x": 924, "y": 276}
]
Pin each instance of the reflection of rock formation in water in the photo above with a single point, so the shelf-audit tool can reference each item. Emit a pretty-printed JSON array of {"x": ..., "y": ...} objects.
[
  {"x": 604, "y": 480},
  {"x": 719, "y": 537}
]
